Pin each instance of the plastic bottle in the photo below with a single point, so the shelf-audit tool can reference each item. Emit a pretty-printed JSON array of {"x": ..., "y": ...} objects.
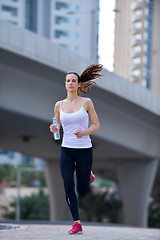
[{"x": 56, "y": 134}]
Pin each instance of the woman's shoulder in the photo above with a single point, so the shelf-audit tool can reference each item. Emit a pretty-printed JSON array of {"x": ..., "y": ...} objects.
[
  {"x": 87, "y": 100},
  {"x": 88, "y": 104},
  {"x": 58, "y": 104}
]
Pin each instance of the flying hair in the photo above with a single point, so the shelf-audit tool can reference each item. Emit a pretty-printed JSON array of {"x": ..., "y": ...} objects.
[{"x": 93, "y": 71}]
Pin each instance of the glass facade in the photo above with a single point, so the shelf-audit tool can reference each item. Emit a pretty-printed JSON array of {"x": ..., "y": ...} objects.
[
  {"x": 149, "y": 42},
  {"x": 31, "y": 15}
]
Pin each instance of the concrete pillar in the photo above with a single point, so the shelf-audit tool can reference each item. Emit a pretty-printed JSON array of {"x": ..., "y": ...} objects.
[
  {"x": 135, "y": 179},
  {"x": 59, "y": 210}
]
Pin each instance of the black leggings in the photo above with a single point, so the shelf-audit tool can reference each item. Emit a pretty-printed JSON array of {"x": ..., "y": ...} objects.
[{"x": 81, "y": 160}]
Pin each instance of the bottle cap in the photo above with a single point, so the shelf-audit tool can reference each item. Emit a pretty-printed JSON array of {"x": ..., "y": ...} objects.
[{"x": 54, "y": 119}]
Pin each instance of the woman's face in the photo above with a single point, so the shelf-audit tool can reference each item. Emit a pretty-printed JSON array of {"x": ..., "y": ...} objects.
[{"x": 72, "y": 83}]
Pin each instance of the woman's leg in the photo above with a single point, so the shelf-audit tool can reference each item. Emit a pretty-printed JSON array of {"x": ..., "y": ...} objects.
[
  {"x": 84, "y": 159},
  {"x": 67, "y": 166}
]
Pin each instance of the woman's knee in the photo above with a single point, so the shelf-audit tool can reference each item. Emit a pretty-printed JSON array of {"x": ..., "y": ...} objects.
[{"x": 83, "y": 191}]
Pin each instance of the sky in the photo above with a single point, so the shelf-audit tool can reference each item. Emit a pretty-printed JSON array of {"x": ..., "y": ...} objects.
[{"x": 106, "y": 33}]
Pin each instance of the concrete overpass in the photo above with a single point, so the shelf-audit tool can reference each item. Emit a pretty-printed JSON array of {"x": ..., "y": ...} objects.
[{"x": 127, "y": 147}]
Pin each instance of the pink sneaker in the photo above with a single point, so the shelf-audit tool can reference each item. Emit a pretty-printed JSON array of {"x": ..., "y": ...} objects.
[
  {"x": 92, "y": 177},
  {"x": 76, "y": 229}
]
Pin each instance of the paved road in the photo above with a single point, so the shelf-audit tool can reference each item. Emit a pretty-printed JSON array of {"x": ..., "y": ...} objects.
[{"x": 51, "y": 232}]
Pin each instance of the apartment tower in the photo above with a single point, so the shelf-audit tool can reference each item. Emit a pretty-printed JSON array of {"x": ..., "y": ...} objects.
[{"x": 137, "y": 38}]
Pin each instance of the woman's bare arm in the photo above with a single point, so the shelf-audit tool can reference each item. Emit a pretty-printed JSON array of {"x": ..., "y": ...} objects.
[
  {"x": 94, "y": 119},
  {"x": 57, "y": 116}
]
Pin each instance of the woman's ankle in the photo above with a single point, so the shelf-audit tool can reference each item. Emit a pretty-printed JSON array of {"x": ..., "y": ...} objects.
[{"x": 78, "y": 221}]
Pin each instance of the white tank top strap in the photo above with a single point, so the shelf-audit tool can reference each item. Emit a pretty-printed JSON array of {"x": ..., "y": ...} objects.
[
  {"x": 83, "y": 102},
  {"x": 61, "y": 102}
]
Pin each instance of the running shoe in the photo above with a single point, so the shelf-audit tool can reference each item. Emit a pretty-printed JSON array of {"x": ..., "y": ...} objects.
[
  {"x": 76, "y": 229},
  {"x": 92, "y": 177}
]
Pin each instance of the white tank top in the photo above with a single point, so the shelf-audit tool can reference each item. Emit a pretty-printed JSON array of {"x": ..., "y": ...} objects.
[{"x": 70, "y": 123}]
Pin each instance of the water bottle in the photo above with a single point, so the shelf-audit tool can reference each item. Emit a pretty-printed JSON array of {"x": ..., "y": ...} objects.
[{"x": 56, "y": 134}]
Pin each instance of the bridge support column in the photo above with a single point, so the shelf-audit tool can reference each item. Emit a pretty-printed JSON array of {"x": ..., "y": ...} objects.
[
  {"x": 58, "y": 207},
  {"x": 136, "y": 179}
]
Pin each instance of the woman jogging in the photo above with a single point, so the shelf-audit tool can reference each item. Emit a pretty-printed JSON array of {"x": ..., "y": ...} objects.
[{"x": 73, "y": 114}]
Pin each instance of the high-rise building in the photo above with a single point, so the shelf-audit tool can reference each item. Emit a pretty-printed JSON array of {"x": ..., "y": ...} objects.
[
  {"x": 70, "y": 23},
  {"x": 13, "y": 11},
  {"x": 137, "y": 37}
]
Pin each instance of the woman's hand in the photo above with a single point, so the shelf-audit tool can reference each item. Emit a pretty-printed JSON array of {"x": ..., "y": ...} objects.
[
  {"x": 79, "y": 133},
  {"x": 53, "y": 128}
]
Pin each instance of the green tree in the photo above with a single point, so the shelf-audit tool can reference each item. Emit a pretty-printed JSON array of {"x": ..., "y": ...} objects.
[
  {"x": 7, "y": 172},
  {"x": 34, "y": 207}
]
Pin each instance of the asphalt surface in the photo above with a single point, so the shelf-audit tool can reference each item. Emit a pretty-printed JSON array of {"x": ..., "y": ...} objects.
[{"x": 58, "y": 231}]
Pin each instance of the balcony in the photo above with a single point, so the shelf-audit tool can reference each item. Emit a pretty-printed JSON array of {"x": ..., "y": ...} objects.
[
  {"x": 137, "y": 28},
  {"x": 136, "y": 66},
  {"x": 136, "y": 42},
  {"x": 136, "y": 54},
  {"x": 137, "y": 5},
  {"x": 137, "y": 16}
]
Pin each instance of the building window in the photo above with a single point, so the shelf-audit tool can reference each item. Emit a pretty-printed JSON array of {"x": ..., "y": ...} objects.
[
  {"x": 76, "y": 48},
  {"x": 144, "y": 72},
  {"x": 144, "y": 60},
  {"x": 61, "y": 5},
  {"x": 3, "y": 151},
  {"x": 6, "y": 152},
  {"x": 61, "y": 33},
  {"x": 144, "y": 83},
  {"x": 64, "y": 45},
  {"x": 146, "y": 35},
  {"x": 76, "y": 35},
  {"x": 15, "y": 23},
  {"x": 77, "y": 21},
  {"x": 77, "y": 8},
  {"x": 145, "y": 48},
  {"x": 12, "y": 10},
  {"x": 60, "y": 19}
]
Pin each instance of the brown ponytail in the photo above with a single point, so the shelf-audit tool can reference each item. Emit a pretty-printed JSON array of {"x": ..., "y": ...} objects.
[{"x": 93, "y": 71}]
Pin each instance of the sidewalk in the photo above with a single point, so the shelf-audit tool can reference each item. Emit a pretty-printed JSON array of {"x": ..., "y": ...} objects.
[{"x": 51, "y": 232}]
